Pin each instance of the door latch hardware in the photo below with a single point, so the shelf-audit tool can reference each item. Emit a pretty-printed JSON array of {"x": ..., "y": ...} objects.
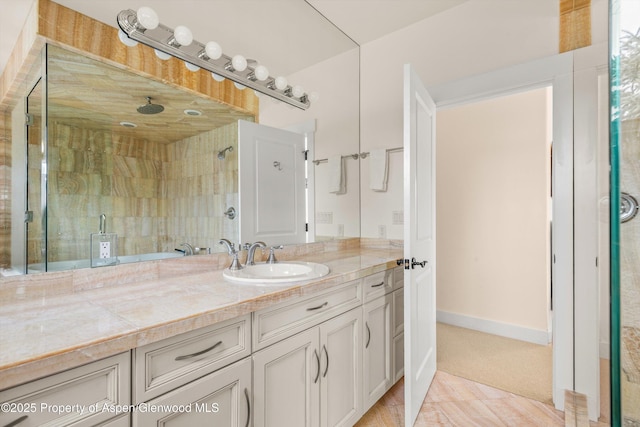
[
  {"x": 420, "y": 263},
  {"x": 28, "y": 216},
  {"x": 411, "y": 263}
]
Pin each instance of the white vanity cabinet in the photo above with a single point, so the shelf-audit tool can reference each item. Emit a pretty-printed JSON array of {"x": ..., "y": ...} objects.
[
  {"x": 311, "y": 378},
  {"x": 398, "y": 323},
  {"x": 179, "y": 381},
  {"x": 378, "y": 352},
  {"x": 221, "y": 399},
  {"x": 168, "y": 364},
  {"x": 88, "y": 395},
  {"x": 382, "y": 334}
]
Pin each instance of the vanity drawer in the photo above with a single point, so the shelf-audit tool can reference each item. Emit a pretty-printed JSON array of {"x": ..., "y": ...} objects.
[
  {"x": 275, "y": 323},
  {"x": 170, "y": 363},
  {"x": 74, "y": 397},
  {"x": 377, "y": 285}
]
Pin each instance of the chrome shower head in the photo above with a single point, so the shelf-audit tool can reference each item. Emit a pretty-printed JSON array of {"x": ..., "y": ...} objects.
[{"x": 150, "y": 108}]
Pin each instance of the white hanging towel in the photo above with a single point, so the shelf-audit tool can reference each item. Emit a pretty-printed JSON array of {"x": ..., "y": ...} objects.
[
  {"x": 337, "y": 177},
  {"x": 378, "y": 170}
]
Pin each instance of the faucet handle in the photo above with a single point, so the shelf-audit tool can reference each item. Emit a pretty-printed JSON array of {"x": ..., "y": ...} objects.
[{"x": 272, "y": 257}]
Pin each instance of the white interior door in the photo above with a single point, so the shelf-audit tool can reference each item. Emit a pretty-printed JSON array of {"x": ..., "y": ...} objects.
[
  {"x": 419, "y": 243},
  {"x": 271, "y": 181}
]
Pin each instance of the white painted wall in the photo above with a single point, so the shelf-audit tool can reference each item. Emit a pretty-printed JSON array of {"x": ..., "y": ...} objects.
[
  {"x": 492, "y": 210},
  {"x": 474, "y": 37},
  {"x": 337, "y": 132}
]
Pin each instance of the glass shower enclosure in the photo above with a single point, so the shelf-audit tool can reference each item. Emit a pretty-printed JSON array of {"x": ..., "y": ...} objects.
[{"x": 625, "y": 225}]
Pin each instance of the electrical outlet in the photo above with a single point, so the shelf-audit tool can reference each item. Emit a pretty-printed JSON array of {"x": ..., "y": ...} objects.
[
  {"x": 382, "y": 231},
  {"x": 105, "y": 250}
]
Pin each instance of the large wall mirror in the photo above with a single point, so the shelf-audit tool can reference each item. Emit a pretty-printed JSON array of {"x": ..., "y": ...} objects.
[{"x": 160, "y": 180}]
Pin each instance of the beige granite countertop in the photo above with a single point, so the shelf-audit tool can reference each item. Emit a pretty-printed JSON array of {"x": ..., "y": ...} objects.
[{"x": 53, "y": 322}]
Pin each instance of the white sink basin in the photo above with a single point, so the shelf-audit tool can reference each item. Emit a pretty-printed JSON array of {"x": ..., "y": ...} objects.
[{"x": 280, "y": 272}]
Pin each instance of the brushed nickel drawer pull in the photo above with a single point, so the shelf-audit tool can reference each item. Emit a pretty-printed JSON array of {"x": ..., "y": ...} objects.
[
  {"x": 378, "y": 285},
  {"x": 318, "y": 372},
  {"x": 318, "y": 307},
  {"x": 17, "y": 421},
  {"x": 206, "y": 350},
  {"x": 326, "y": 369},
  {"x": 368, "y": 335},
  {"x": 246, "y": 395}
]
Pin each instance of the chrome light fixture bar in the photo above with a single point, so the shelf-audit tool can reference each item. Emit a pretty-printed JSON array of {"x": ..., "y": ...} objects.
[{"x": 166, "y": 40}]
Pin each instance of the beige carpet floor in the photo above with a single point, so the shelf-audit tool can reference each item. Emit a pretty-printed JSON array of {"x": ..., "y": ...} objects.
[{"x": 515, "y": 366}]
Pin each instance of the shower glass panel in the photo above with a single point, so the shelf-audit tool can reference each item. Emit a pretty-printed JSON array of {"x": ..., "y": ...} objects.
[
  {"x": 34, "y": 218},
  {"x": 625, "y": 231}
]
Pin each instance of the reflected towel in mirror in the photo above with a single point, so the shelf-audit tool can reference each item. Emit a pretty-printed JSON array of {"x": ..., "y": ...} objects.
[
  {"x": 337, "y": 176},
  {"x": 378, "y": 170}
]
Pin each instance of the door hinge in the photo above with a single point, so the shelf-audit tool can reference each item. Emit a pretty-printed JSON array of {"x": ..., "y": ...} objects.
[
  {"x": 306, "y": 227},
  {"x": 306, "y": 154},
  {"x": 28, "y": 119},
  {"x": 28, "y": 216}
]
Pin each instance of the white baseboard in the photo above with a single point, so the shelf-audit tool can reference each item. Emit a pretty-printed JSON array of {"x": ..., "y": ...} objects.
[{"x": 507, "y": 330}]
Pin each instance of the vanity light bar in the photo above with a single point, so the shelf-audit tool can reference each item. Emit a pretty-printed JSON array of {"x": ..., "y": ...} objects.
[{"x": 162, "y": 39}]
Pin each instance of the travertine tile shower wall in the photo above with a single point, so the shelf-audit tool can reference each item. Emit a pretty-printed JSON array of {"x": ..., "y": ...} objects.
[
  {"x": 94, "y": 172},
  {"x": 155, "y": 196},
  {"x": 200, "y": 187}
]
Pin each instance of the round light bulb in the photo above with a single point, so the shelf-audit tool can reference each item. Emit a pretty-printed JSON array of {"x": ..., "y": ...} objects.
[
  {"x": 217, "y": 77},
  {"x": 281, "y": 83},
  {"x": 124, "y": 38},
  {"x": 191, "y": 67},
  {"x": 261, "y": 72},
  {"x": 314, "y": 96},
  {"x": 239, "y": 63},
  {"x": 148, "y": 18},
  {"x": 297, "y": 91},
  {"x": 213, "y": 50},
  {"x": 162, "y": 55},
  {"x": 239, "y": 86},
  {"x": 183, "y": 35}
]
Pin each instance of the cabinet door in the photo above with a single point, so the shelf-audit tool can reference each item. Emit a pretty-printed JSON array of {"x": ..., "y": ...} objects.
[
  {"x": 377, "y": 358},
  {"x": 287, "y": 382},
  {"x": 340, "y": 389},
  {"x": 220, "y": 399}
]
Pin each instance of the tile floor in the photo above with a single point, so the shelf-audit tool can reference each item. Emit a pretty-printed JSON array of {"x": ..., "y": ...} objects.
[{"x": 453, "y": 401}]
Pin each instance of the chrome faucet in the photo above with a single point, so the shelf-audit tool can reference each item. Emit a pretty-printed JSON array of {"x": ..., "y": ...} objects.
[
  {"x": 188, "y": 249},
  {"x": 251, "y": 252},
  {"x": 231, "y": 250}
]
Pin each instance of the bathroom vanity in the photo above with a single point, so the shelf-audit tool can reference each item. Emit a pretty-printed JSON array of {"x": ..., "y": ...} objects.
[{"x": 187, "y": 349}]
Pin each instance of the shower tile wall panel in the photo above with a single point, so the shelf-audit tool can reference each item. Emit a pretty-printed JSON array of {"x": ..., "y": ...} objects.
[
  {"x": 154, "y": 195},
  {"x": 34, "y": 228},
  {"x": 198, "y": 187}
]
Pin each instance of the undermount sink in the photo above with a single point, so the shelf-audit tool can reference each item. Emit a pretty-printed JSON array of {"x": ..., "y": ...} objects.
[{"x": 280, "y": 272}]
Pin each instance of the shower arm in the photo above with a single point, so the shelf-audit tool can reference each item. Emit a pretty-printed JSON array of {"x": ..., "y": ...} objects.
[{"x": 222, "y": 153}]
